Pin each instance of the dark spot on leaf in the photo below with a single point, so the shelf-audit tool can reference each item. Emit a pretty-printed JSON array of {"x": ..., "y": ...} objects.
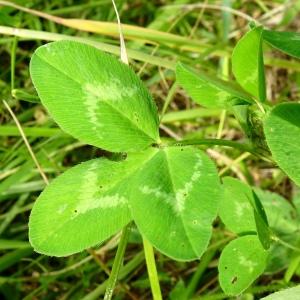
[
  {"x": 234, "y": 280},
  {"x": 182, "y": 245},
  {"x": 101, "y": 186},
  {"x": 75, "y": 210},
  {"x": 288, "y": 153},
  {"x": 136, "y": 117},
  {"x": 226, "y": 268},
  {"x": 181, "y": 149}
]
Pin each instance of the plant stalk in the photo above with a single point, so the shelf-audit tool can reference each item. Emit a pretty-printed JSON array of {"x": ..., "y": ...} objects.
[
  {"x": 221, "y": 142},
  {"x": 152, "y": 271},
  {"x": 118, "y": 262},
  {"x": 126, "y": 230},
  {"x": 284, "y": 243}
]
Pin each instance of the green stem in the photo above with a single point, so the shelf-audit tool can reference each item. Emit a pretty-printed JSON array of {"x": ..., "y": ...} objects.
[
  {"x": 152, "y": 272},
  {"x": 260, "y": 106},
  {"x": 203, "y": 264},
  {"x": 221, "y": 142},
  {"x": 284, "y": 243},
  {"x": 117, "y": 263},
  {"x": 169, "y": 99},
  {"x": 124, "y": 272},
  {"x": 13, "y": 63}
]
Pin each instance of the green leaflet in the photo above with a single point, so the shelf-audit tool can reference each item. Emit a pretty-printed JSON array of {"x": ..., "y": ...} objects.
[
  {"x": 83, "y": 206},
  {"x": 282, "y": 131},
  {"x": 235, "y": 209},
  {"x": 241, "y": 262},
  {"x": 287, "y": 294},
  {"x": 287, "y": 42},
  {"x": 241, "y": 113},
  {"x": 281, "y": 214},
  {"x": 175, "y": 201},
  {"x": 284, "y": 222},
  {"x": 248, "y": 65},
  {"x": 208, "y": 91},
  {"x": 94, "y": 97},
  {"x": 282, "y": 217},
  {"x": 242, "y": 212},
  {"x": 261, "y": 221},
  {"x": 237, "y": 213},
  {"x": 279, "y": 258},
  {"x": 179, "y": 291}
]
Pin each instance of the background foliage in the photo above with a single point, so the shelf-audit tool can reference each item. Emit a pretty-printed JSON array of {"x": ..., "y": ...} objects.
[{"x": 202, "y": 36}]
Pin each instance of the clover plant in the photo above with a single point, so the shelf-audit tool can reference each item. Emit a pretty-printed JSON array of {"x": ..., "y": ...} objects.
[{"x": 170, "y": 190}]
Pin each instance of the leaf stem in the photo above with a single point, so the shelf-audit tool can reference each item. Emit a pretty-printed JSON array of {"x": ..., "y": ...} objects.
[
  {"x": 260, "y": 106},
  {"x": 152, "y": 272},
  {"x": 284, "y": 243},
  {"x": 117, "y": 263},
  {"x": 169, "y": 99},
  {"x": 221, "y": 142}
]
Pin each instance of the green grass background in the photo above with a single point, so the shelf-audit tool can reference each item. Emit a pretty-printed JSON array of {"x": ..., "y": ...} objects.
[{"x": 209, "y": 33}]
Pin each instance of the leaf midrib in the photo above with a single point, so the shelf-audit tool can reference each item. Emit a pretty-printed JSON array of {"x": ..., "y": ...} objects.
[
  {"x": 173, "y": 189},
  {"x": 134, "y": 125}
]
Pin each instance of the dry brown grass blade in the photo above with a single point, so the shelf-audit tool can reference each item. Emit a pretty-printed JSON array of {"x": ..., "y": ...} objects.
[{"x": 112, "y": 29}]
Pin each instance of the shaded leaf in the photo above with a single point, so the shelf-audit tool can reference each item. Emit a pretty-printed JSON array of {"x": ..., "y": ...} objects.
[
  {"x": 179, "y": 291},
  {"x": 94, "y": 97},
  {"x": 235, "y": 209},
  {"x": 248, "y": 65},
  {"x": 241, "y": 262},
  {"x": 176, "y": 195},
  {"x": 242, "y": 212},
  {"x": 261, "y": 221},
  {"x": 282, "y": 131},
  {"x": 282, "y": 216},
  {"x": 287, "y": 42},
  {"x": 278, "y": 259},
  {"x": 208, "y": 91},
  {"x": 283, "y": 222},
  {"x": 241, "y": 113}
]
